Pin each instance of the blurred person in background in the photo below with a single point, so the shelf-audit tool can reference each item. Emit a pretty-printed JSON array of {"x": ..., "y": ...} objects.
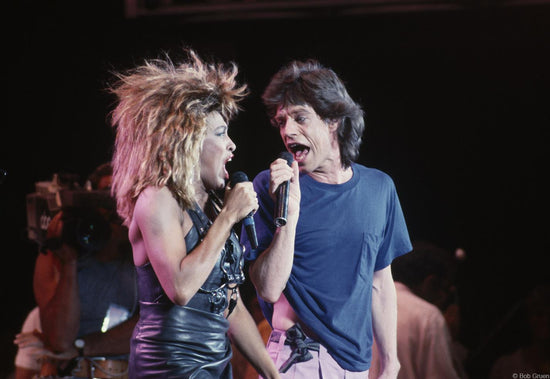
[
  {"x": 533, "y": 357},
  {"x": 86, "y": 292},
  {"x": 424, "y": 282}
]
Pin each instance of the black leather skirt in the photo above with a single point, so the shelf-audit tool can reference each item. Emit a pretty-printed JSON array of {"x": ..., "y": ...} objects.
[{"x": 171, "y": 341}]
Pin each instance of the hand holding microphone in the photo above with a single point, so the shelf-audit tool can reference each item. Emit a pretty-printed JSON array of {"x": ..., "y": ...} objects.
[{"x": 248, "y": 221}]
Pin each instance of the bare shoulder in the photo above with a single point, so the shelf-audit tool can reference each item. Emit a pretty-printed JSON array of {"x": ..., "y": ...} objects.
[
  {"x": 151, "y": 199},
  {"x": 157, "y": 218},
  {"x": 153, "y": 196},
  {"x": 157, "y": 208}
]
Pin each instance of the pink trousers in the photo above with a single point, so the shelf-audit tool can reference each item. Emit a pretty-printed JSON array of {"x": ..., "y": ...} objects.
[{"x": 322, "y": 366}]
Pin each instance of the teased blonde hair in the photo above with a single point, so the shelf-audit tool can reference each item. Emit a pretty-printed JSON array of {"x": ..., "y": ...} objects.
[{"x": 160, "y": 122}]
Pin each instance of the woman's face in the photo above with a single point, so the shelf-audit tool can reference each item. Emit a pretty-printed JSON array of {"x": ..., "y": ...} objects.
[{"x": 217, "y": 150}]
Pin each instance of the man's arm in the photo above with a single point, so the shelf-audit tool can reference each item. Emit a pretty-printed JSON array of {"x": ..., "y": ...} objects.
[
  {"x": 56, "y": 293},
  {"x": 384, "y": 321},
  {"x": 270, "y": 271},
  {"x": 115, "y": 341}
]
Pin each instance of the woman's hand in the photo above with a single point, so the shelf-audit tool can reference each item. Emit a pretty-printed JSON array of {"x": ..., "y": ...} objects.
[{"x": 240, "y": 200}]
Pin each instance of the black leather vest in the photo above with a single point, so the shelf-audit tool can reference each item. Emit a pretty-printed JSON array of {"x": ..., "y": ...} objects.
[{"x": 219, "y": 289}]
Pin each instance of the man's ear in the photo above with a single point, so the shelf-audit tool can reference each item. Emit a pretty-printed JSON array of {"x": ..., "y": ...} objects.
[{"x": 333, "y": 125}]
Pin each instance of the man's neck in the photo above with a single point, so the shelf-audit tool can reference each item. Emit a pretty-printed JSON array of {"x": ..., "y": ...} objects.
[{"x": 335, "y": 175}]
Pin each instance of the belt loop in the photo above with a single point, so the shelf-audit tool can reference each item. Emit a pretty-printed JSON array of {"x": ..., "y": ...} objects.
[{"x": 275, "y": 336}]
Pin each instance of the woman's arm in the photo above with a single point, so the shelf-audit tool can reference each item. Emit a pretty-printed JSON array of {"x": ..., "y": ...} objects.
[
  {"x": 163, "y": 225},
  {"x": 245, "y": 336}
]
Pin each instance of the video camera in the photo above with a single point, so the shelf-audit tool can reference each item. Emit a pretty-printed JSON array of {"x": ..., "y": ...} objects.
[{"x": 83, "y": 225}]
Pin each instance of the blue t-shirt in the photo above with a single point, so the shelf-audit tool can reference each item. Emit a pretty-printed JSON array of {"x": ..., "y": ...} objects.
[{"x": 345, "y": 232}]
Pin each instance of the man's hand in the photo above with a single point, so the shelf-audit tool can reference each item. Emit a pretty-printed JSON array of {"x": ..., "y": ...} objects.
[{"x": 33, "y": 341}]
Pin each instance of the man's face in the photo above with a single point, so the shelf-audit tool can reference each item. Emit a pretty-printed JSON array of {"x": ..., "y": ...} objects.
[{"x": 311, "y": 140}]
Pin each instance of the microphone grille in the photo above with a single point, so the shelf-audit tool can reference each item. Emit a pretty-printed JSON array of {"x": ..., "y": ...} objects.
[
  {"x": 287, "y": 157},
  {"x": 238, "y": 177}
]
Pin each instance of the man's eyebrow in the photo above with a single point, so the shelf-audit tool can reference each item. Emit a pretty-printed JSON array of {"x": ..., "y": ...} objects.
[
  {"x": 299, "y": 109},
  {"x": 296, "y": 110}
]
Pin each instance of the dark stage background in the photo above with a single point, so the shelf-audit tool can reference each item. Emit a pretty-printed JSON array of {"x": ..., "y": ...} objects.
[{"x": 457, "y": 112}]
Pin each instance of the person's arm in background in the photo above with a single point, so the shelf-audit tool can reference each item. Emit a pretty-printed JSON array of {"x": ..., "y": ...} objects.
[
  {"x": 56, "y": 292},
  {"x": 115, "y": 341}
]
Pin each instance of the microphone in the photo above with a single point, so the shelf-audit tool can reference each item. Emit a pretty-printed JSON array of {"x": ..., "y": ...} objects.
[
  {"x": 281, "y": 206},
  {"x": 248, "y": 222}
]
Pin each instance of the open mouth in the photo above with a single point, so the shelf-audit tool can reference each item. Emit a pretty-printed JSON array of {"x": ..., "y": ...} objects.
[
  {"x": 299, "y": 151},
  {"x": 225, "y": 172}
]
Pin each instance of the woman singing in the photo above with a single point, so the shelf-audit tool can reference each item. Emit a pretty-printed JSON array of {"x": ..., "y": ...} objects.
[{"x": 171, "y": 148}]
